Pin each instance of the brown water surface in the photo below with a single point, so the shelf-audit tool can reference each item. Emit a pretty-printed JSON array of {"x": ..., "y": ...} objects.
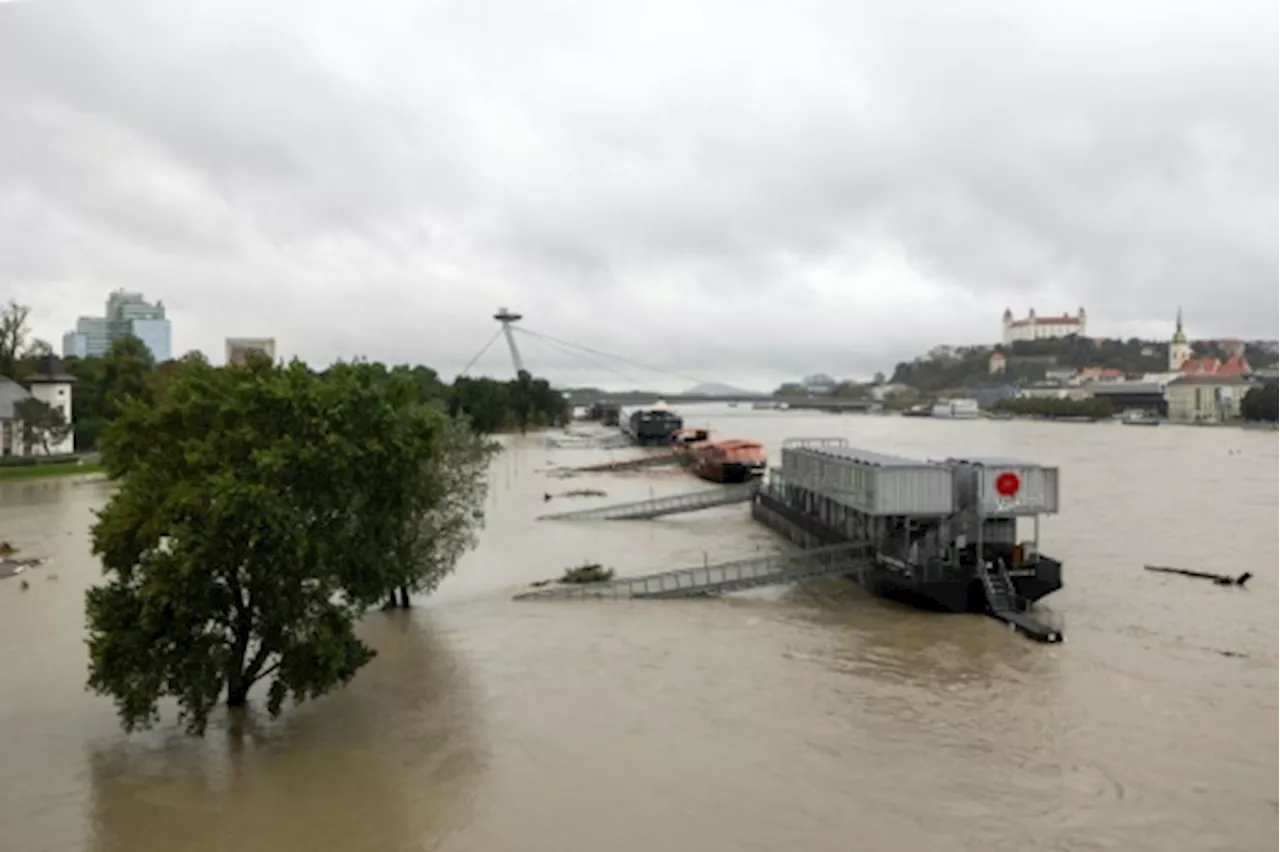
[{"x": 814, "y": 718}]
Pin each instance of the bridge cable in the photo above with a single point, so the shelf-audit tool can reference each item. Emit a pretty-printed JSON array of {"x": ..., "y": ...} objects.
[
  {"x": 628, "y": 361},
  {"x": 559, "y": 348},
  {"x": 480, "y": 354}
]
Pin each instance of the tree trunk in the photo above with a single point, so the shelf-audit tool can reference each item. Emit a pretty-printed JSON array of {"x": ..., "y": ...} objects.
[
  {"x": 404, "y": 597},
  {"x": 238, "y": 694},
  {"x": 237, "y": 684}
]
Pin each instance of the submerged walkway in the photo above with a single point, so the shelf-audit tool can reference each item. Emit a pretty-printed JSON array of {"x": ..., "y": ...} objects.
[
  {"x": 771, "y": 570},
  {"x": 641, "y": 509}
]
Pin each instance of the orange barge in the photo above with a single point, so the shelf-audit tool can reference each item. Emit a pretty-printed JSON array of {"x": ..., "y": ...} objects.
[{"x": 736, "y": 460}]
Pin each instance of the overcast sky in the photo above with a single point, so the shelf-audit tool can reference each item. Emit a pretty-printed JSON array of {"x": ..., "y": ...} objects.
[{"x": 737, "y": 190}]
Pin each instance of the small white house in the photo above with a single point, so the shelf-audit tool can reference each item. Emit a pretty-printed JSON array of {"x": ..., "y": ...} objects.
[{"x": 51, "y": 386}]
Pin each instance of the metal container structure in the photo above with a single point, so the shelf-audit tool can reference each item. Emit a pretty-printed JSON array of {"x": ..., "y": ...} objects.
[
  {"x": 867, "y": 482},
  {"x": 1001, "y": 487}
]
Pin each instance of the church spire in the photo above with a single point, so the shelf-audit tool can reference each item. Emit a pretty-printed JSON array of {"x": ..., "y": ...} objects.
[{"x": 1179, "y": 336}]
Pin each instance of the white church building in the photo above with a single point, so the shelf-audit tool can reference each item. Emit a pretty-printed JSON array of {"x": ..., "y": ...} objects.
[
  {"x": 1032, "y": 327},
  {"x": 51, "y": 386}
]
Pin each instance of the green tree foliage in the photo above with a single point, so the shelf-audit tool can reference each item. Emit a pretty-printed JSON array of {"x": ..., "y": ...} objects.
[
  {"x": 1027, "y": 361},
  {"x": 260, "y": 510},
  {"x": 127, "y": 374},
  {"x": 1261, "y": 404},
  {"x": 1132, "y": 356},
  {"x": 491, "y": 406},
  {"x": 449, "y": 520},
  {"x": 968, "y": 369},
  {"x": 1094, "y": 407},
  {"x": 104, "y": 385},
  {"x": 43, "y": 425}
]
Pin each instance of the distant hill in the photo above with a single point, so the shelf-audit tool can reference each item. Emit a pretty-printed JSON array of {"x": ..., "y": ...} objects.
[{"x": 717, "y": 389}]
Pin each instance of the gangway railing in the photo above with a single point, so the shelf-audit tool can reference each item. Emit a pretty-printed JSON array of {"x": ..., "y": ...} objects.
[
  {"x": 815, "y": 442},
  {"x": 630, "y": 464},
  {"x": 676, "y": 504},
  {"x": 1007, "y": 605},
  {"x": 754, "y": 572}
]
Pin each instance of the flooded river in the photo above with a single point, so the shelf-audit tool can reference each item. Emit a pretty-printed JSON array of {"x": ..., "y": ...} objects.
[{"x": 813, "y": 718}]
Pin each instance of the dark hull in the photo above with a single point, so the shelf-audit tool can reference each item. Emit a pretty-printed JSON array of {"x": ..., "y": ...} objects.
[
  {"x": 652, "y": 429},
  {"x": 729, "y": 474},
  {"x": 650, "y": 440},
  {"x": 937, "y": 594}
]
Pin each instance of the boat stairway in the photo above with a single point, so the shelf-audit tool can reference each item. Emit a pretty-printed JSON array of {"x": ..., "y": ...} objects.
[{"x": 1005, "y": 604}]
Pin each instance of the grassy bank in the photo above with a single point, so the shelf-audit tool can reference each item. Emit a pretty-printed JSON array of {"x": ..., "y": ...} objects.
[{"x": 45, "y": 471}]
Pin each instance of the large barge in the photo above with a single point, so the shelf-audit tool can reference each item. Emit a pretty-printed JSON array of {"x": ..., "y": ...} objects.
[
  {"x": 651, "y": 427},
  {"x": 941, "y": 535}
]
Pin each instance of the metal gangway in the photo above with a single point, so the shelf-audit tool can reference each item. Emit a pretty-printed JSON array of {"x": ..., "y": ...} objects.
[
  {"x": 643, "y": 509},
  {"x": 1005, "y": 604},
  {"x": 657, "y": 460},
  {"x": 771, "y": 570}
]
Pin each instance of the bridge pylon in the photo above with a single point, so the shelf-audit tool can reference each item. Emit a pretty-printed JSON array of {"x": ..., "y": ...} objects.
[{"x": 508, "y": 319}]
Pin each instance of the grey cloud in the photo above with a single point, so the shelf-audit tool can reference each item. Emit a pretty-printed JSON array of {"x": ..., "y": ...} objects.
[{"x": 378, "y": 179}]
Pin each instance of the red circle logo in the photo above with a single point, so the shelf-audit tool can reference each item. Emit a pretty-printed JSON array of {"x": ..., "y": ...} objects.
[{"x": 1007, "y": 484}]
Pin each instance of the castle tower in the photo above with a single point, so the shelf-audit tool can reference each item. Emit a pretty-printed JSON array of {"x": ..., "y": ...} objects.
[
  {"x": 1084, "y": 322},
  {"x": 1006, "y": 327},
  {"x": 1179, "y": 347},
  {"x": 52, "y": 386}
]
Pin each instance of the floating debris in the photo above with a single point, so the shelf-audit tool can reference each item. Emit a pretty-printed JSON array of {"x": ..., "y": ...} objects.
[
  {"x": 14, "y": 567},
  {"x": 1218, "y": 579},
  {"x": 7, "y": 549},
  {"x": 590, "y": 572},
  {"x": 577, "y": 492}
]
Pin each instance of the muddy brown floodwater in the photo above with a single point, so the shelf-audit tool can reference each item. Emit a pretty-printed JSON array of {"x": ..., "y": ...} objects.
[{"x": 813, "y": 718}]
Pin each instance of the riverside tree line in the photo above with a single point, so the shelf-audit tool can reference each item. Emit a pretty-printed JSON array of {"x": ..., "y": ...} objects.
[
  {"x": 262, "y": 509},
  {"x": 128, "y": 371}
]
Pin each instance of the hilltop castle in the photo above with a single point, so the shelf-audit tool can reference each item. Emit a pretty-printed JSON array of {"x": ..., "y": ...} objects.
[{"x": 1033, "y": 327}]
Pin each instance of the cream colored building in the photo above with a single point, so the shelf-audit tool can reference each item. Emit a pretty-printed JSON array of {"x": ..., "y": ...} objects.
[
  {"x": 238, "y": 348},
  {"x": 1032, "y": 327},
  {"x": 1206, "y": 398}
]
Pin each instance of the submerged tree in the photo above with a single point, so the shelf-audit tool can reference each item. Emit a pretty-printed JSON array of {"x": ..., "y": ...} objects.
[
  {"x": 455, "y": 484},
  {"x": 259, "y": 512}
]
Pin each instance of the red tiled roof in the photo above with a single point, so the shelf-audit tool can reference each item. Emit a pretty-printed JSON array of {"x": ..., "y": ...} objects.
[
  {"x": 1199, "y": 366},
  {"x": 1236, "y": 365}
]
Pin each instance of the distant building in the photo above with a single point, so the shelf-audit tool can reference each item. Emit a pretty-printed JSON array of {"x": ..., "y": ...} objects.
[
  {"x": 52, "y": 386},
  {"x": 75, "y": 345},
  {"x": 1206, "y": 398},
  {"x": 997, "y": 363},
  {"x": 126, "y": 314},
  {"x": 1147, "y": 396},
  {"x": 1033, "y": 327},
  {"x": 238, "y": 348}
]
